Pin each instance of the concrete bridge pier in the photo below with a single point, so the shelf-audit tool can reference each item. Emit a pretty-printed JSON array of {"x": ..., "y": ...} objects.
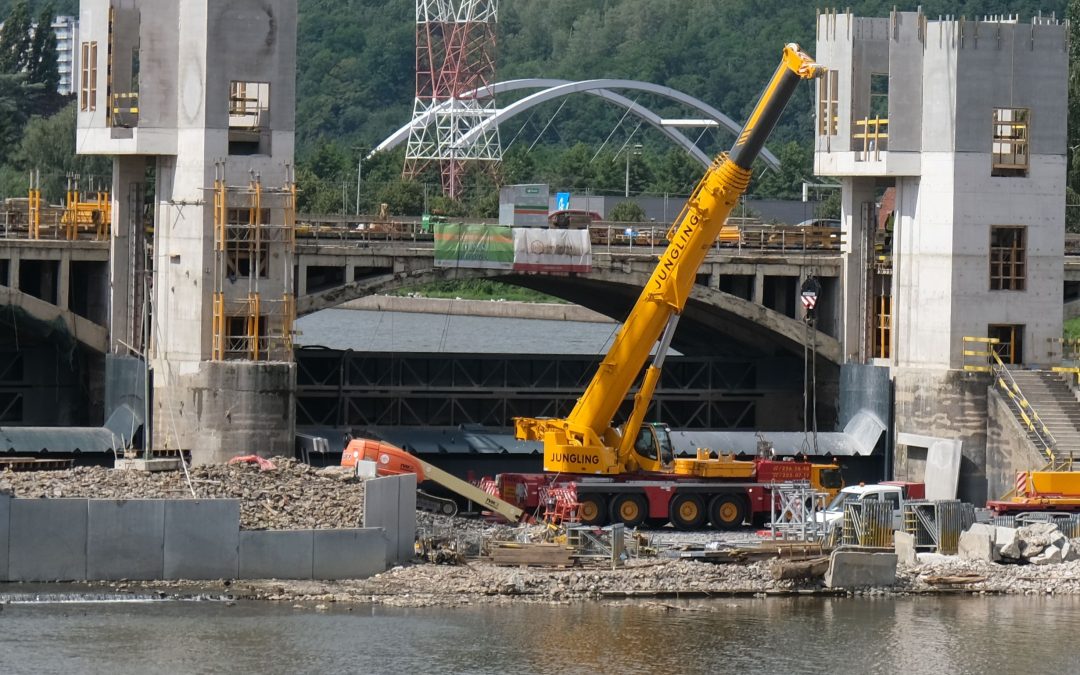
[{"x": 211, "y": 106}]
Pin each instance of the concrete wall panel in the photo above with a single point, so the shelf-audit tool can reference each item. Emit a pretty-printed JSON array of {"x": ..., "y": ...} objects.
[
  {"x": 864, "y": 387},
  {"x": 406, "y": 519},
  {"x": 202, "y": 539},
  {"x": 125, "y": 539},
  {"x": 268, "y": 554},
  {"x": 349, "y": 554},
  {"x": 5, "y": 519},
  {"x": 48, "y": 540},
  {"x": 949, "y": 405},
  {"x": 390, "y": 504},
  {"x": 905, "y": 84},
  {"x": 1008, "y": 450}
]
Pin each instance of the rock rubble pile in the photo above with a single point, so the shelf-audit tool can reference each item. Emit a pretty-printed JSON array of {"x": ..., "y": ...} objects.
[
  {"x": 1038, "y": 544},
  {"x": 290, "y": 496}
]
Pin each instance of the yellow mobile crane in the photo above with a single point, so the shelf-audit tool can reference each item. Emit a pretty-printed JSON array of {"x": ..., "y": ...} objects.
[{"x": 586, "y": 442}]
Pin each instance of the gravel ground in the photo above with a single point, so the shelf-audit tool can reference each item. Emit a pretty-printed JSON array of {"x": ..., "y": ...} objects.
[
  {"x": 290, "y": 496},
  {"x": 424, "y": 585}
]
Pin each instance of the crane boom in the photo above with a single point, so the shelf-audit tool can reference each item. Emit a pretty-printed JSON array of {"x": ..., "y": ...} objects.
[{"x": 585, "y": 441}]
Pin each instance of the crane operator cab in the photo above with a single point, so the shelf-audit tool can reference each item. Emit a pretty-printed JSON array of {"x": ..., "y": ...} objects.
[{"x": 653, "y": 443}]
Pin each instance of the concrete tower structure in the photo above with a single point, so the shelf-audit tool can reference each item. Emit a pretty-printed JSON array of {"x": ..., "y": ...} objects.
[
  {"x": 961, "y": 125},
  {"x": 195, "y": 101}
]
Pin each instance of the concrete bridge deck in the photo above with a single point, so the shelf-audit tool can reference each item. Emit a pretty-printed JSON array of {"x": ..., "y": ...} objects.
[{"x": 747, "y": 295}]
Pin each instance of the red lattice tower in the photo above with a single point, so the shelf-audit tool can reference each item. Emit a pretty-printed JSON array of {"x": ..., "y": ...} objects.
[{"x": 455, "y": 58}]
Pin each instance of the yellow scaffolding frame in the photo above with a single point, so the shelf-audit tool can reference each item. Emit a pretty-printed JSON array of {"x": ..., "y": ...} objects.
[
  {"x": 252, "y": 327},
  {"x": 34, "y": 205},
  {"x": 95, "y": 214},
  {"x": 883, "y": 329},
  {"x": 872, "y": 131}
]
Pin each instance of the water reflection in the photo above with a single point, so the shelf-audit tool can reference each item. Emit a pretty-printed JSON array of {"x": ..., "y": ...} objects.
[{"x": 811, "y": 635}]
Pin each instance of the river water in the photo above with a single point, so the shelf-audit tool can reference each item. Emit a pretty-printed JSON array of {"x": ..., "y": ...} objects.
[
  {"x": 375, "y": 331},
  {"x": 739, "y": 635}
]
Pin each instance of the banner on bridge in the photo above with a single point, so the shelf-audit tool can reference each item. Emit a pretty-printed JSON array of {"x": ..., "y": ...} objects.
[
  {"x": 537, "y": 250},
  {"x": 474, "y": 246}
]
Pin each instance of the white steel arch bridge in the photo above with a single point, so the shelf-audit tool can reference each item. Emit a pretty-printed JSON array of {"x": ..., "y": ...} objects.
[{"x": 551, "y": 89}]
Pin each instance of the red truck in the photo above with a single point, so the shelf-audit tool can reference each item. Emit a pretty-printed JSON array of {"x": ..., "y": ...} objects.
[{"x": 687, "y": 502}]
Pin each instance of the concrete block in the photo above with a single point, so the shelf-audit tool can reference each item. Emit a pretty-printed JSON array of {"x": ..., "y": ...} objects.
[
  {"x": 1010, "y": 551},
  {"x": 47, "y": 540},
  {"x": 5, "y": 520},
  {"x": 277, "y": 554},
  {"x": 1069, "y": 552},
  {"x": 927, "y": 558},
  {"x": 849, "y": 569},
  {"x": 147, "y": 465},
  {"x": 390, "y": 504},
  {"x": 904, "y": 547},
  {"x": 1004, "y": 536},
  {"x": 202, "y": 539},
  {"x": 976, "y": 545},
  {"x": 125, "y": 539},
  {"x": 349, "y": 554},
  {"x": 406, "y": 519},
  {"x": 1050, "y": 555},
  {"x": 986, "y": 529}
]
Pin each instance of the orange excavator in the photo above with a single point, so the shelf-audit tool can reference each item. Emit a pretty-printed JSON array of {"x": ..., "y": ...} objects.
[{"x": 391, "y": 460}]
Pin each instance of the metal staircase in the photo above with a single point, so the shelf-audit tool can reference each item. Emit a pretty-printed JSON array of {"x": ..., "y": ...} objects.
[{"x": 1058, "y": 409}]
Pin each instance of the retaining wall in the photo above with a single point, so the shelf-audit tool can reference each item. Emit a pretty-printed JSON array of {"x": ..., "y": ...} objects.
[{"x": 147, "y": 539}]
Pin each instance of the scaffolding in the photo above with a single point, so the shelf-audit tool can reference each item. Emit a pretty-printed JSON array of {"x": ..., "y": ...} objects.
[
  {"x": 33, "y": 205},
  {"x": 253, "y": 303},
  {"x": 94, "y": 214}
]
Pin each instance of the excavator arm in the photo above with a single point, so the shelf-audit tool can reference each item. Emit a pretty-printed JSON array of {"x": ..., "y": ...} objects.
[{"x": 585, "y": 442}]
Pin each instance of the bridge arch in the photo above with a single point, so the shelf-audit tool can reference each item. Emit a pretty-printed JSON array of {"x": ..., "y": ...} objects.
[
  {"x": 554, "y": 88},
  {"x": 709, "y": 311}
]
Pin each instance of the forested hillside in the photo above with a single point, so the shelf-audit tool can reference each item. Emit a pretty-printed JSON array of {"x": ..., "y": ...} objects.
[
  {"x": 356, "y": 56},
  {"x": 356, "y": 82},
  {"x": 355, "y": 86}
]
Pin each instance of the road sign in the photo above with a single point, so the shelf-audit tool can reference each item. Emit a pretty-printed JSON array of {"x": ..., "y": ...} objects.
[{"x": 562, "y": 201}]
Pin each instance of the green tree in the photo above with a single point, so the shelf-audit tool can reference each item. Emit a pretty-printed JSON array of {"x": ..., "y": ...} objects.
[
  {"x": 445, "y": 206},
  {"x": 41, "y": 62},
  {"x": 15, "y": 39},
  {"x": 628, "y": 212},
  {"x": 518, "y": 166},
  {"x": 403, "y": 198},
  {"x": 17, "y": 100},
  {"x": 796, "y": 166},
  {"x": 675, "y": 172},
  {"x": 48, "y": 145},
  {"x": 573, "y": 169}
]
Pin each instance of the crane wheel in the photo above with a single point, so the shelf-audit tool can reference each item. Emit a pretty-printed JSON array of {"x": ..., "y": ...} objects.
[
  {"x": 726, "y": 512},
  {"x": 592, "y": 510},
  {"x": 687, "y": 512},
  {"x": 630, "y": 510}
]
